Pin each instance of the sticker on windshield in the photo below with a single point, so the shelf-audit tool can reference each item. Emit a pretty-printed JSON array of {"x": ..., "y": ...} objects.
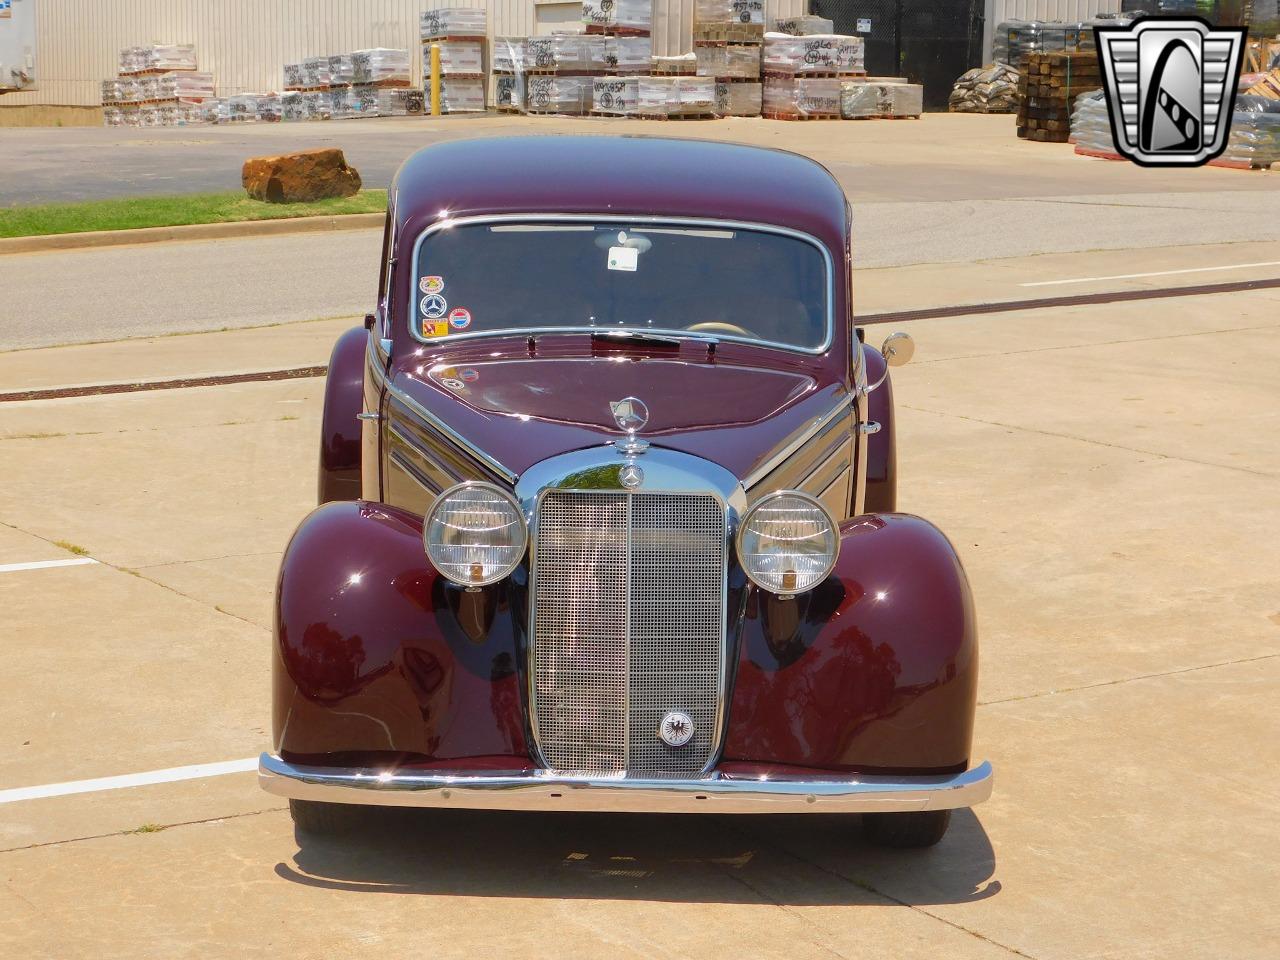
[
  {"x": 460, "y": 318},
  {"x": 453, "y": 384},
  {"x": 624, "y": 258},
  {"x": 468, "y": 375},
  {"x": 434, "y": 306},
  {"x": 435, "y": 328},
  {"x": 431, "y": 284}
]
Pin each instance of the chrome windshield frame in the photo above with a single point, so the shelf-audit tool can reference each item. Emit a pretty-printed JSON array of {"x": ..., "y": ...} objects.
[{"x": 445, "y": 223}]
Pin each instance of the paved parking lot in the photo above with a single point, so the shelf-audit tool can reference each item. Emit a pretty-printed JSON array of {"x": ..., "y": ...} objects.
[{"x": 1109, "y": 474}]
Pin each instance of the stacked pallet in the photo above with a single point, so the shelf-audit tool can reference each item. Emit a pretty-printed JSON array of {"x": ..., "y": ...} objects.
[
  {"x": 157, "y": 86},
  {"x": 363, "y": 83},
  {"x": 459, "y": 35},
  {"x": 1047, "y": 91},
  {"x": 803, "y": 74},
  {"x": 622, "y": 27},
  {"x": 728, "y": 36}
]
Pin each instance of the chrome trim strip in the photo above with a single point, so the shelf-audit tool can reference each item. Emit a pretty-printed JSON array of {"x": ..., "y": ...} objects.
[
  {"x": 412, "y": 472},
  {"x": 411, "y": 444},
  {"x": 458, "y": 440},
  {"x": 444, "y": 224},
  {"x": 785, "y": 452},
  {"x": 715, "y": 793}
]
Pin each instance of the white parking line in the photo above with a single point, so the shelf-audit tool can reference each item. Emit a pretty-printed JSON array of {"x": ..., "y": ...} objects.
[
  {"x": 42, "y": 564},
  {"x": 1154, "y": 273},
  {"x": 172, "y": 775}
]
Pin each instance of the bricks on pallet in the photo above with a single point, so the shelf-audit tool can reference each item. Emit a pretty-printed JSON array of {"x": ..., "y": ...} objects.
[
  {"x": 342, "y": 69},
  {"x": 458, "y": 58},
  {"x": 315, "y": 73},
  {"x": 801, "y": 97},
  {"x": 374, "y": 101},
  {"x": 860, "y": 99},
  {"x": 683, "y": 65},
  {"x": 453, "y": 22},
  {"x": 556, "y": 94},
  {"x": 805, "y": 26},
  {"x": 628, "y": 54},
  {"x": 462, "y": 95},
  {"x": 738, "y": 99},
  {"x": 562, "y": 53},
  {"x": 729, "y": 62},
  {"x": 509, "y": 54},
  {"x": 509, "y": 92},
  {"x": 381, "y": 65},
  {"x": 798, "y": 56},
  {"x": 729, "y": 11},
  {"x": 675, "y": 96},
  {"x": 615, "y": 96},
  {"x": 634, "y": 15},
  {"x": 158, "y": 56}
]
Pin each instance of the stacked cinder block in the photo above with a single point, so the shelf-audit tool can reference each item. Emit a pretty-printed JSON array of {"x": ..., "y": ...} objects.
[
  {"x": 727, "y": 40},
  {"x": 623, "y": 28},
  {"x": 802, "y": 74},
  {"x": 1048, "y": 89}
]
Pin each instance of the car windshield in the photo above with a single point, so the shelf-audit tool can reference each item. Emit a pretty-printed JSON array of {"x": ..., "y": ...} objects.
[{"x": 724, "y": 282}]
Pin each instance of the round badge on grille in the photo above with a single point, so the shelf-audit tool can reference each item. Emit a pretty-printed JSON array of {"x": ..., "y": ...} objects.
[
  {"x": 631, "y": 476},
  {"x": 676, "y": 729}
]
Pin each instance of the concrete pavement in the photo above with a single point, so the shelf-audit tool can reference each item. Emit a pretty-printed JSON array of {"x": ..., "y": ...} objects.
[{"x": 1107, "y": 473}]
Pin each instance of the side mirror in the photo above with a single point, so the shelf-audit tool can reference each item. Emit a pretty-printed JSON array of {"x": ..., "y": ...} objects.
[{"x": 898, "y": 349}]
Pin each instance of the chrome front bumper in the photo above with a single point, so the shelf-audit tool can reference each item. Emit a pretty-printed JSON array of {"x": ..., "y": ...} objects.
[{"x": 717, "y": 793}]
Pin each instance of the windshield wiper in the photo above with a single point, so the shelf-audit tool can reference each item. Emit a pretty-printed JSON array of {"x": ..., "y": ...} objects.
[{"x": 651, "y": 339}]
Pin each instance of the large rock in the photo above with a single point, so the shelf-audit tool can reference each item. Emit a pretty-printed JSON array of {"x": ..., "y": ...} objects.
[{"x": 300, "y": 177}]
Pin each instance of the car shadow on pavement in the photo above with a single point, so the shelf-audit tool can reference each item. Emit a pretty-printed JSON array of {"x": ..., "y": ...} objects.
[{"x": 812, "y": 859}]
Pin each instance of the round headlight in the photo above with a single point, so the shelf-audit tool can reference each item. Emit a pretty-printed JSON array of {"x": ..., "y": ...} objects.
[
  {"x": 788, "y": 543},
  {"x": 475, "y": 534}
]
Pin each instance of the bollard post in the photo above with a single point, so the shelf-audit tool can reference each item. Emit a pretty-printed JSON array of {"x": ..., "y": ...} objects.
[{"x": 435, "y": 79}]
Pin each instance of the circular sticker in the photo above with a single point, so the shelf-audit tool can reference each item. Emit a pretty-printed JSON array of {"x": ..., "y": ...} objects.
[
  {"x": 468, "y": 375},
  {"x": 431, "y": 284},
  {"x": 434, "y": 306},
  {"x": 453, "y": 384},
  {"x": 459, "y": 318}
]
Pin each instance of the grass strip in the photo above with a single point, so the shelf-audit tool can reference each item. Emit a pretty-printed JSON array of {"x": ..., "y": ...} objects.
[{"x": 134, "y": 212}]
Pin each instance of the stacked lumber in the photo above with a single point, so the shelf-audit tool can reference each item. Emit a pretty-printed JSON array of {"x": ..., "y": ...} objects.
[
  {"x": 1266, "y": 85},
  {"x": 1047, "y": 91}
]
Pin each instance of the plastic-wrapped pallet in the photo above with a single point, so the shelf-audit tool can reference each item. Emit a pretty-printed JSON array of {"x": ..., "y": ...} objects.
[
  {"x": 801, "y": 97},
  {"x": 317, "y": 104},
  {"x": 560, "y": 51},
  {"x": 628, "y": 54},
  {"x": 632, "y": 14},
  {"x": 509, "y": 91},
  {"x": 371, "y": 101},
  {"x": 242, "y": 108},
  {"x": 828, "y": 53},
  {"x": 112, "y": 92},
  {"x": 464, "y": 58},
  {"x": 172, "y": 56},
  {"x": 729, "y": 11},
  {"x": 184, "y": 85},
  {"x": 113, "y": 117},
  {"x": 1255, "y": 132},
  {"x": 992, "y": 89},
  {"x": 739, "y": 99},
  {"x": 860, "y": 98},
  {"x": 342, "y": 69},
  {"x": 615, "y": 95},
  {"x": 315, "y": 72},
  {"x": 671, "y": 96},
  {"x": 341, "y": 105},
  {"x": 595, "y": 52},
  {"x": 293, "y": 76},
  {"x": 381, "y": 65},
  {"x": 1091, "y": 123},
  {"x": 738, "y": 62},
  {"x": 291, "y": 107},
  {"x": 684, "y": 64},
  {"x": 552, "y": 94},
  {"x": 269, "y": 108},
  {"x": 508, "y": 53},
  {"x": 453, "y": 22},
  {"x": 804, "y": 26}
]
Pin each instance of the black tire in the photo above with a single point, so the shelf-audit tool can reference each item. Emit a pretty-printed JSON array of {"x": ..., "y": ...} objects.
[
  {"x": 922, "y": 829},
  {"x": 325, "y": 819}
]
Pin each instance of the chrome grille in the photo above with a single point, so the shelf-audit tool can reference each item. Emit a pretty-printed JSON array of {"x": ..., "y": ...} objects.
[{"x": 628, "y": 625}]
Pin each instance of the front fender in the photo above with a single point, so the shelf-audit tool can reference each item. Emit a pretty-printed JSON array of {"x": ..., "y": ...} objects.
[
  {"x": 875, "y": 669},
  {"x": 339, "y": 428},
  {"x": 376, "y": 653}
]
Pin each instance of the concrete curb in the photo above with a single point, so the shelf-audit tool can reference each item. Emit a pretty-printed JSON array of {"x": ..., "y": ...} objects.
[{"x": 198, "y": 231}]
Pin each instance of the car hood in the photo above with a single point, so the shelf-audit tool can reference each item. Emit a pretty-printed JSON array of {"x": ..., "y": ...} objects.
[{"x": 523, "y": 409}]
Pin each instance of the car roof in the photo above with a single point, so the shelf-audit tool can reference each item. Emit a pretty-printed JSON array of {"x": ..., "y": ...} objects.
[{"x": 626, "y": 175}]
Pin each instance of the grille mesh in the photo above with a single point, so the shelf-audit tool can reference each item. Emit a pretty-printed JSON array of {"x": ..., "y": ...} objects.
[{"x": 628, "y": 625}]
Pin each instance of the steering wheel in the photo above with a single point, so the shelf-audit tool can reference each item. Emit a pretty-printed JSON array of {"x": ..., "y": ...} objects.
[{"x": 714, "y": 326}]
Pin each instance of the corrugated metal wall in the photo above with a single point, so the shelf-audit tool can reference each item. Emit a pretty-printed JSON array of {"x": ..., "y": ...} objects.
[
  {"x": 244, "y": 43},
  {"x": 1062, "y": 11}
]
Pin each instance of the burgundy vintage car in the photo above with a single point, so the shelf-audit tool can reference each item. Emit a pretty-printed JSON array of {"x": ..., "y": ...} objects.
[{"x": 608, "y": 513}]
